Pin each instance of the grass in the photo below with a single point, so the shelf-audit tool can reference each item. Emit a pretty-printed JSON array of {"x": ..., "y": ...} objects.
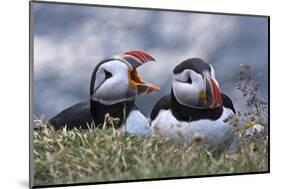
[{"x": 73, "y": 156}]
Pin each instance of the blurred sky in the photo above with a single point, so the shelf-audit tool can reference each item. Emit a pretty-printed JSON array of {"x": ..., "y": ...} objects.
[{"x": 70, "y": 40}]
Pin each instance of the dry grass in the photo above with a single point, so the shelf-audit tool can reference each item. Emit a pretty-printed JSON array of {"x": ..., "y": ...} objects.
[{"x": 108, "y": 155}]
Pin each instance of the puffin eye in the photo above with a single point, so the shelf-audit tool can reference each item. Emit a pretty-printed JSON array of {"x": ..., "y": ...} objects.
[
  {"x": 107, "y": 74},
  {"x": 189, "y": 79}
]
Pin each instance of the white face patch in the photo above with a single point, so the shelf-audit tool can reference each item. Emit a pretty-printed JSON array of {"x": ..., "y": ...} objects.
[
  {"x": 187, "y": 86},
  {"x": 111, "y": 83}
]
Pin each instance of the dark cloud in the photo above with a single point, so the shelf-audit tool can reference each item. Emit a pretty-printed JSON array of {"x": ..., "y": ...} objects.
[{"x": 71, "y": 40}]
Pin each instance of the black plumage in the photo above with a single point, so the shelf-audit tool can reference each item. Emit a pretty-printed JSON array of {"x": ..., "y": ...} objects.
[
  {"x": 163, "y": 103},
  {"x": 119, "y": 110},
  {"x": 196, "y": 64},
  {"x": 78, "y": 116}
]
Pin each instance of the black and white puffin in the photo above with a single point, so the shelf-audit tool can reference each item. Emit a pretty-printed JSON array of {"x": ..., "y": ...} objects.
[
  {"x": 114, "y": 85},
  {"x": 195, "y": 108}
]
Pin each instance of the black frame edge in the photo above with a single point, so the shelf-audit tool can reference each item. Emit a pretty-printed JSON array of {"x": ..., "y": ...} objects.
[
  {"x": 31, "y": 64},
  {"x": 149, "y": 180}
]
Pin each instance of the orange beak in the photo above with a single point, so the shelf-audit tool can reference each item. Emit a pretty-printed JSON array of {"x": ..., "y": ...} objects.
[
  {"x": 134, "y": 59},
  {"x": 137, "y": 83},
  {"x": 212, "y": 93}
]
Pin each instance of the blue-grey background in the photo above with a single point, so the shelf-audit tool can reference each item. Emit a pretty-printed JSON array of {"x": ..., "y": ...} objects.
[{"x": 70, "y": 40}]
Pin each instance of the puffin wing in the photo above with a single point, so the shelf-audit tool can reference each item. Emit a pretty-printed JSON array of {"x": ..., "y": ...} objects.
[
  {"x": 78, "y": 116},
  {"x": 163, "y": 104}
]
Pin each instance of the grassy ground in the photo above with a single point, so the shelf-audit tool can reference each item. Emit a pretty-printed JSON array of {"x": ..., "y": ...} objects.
[{"x": 109, "y": 155}]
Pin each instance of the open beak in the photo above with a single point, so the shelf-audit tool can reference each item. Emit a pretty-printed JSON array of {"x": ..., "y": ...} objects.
[
  {"x": 212, "y": 94},
  {"x": 134, "y": 59},
  {"x": 137, "y": 83}
]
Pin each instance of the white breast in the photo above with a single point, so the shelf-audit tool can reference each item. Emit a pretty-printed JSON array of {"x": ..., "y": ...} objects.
[
  {"x": 213, "y": 133},
  {"x": 137, "y": 124}
]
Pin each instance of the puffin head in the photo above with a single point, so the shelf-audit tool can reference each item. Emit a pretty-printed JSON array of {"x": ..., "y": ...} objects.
[
  {"x": 194, "y": 84},
  {"x": 116, "y": 79}
]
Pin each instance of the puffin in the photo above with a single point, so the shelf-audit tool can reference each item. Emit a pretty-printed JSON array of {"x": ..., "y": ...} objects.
[
  {"x": 195, "y": 110},
  {"x": 114, "y": 84}
]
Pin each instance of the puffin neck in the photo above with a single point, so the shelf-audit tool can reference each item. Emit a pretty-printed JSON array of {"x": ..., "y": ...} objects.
[
  {"x": 118, "y": 110},
  {"x": 185, "y": 113}
]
